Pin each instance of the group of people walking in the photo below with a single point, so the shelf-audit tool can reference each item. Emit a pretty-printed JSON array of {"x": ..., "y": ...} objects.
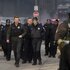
[{"x": 26, "y": 39}]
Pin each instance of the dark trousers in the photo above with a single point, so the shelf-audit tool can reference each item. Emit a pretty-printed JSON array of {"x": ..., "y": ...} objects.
[
  {"x": 3, "y": 44},
  {"x": 22, "y": 52},
  {"x": 36, "y": 49},
  {"x": 8, "y": 51},
  {"x": 16, "y": 43},
  {"x": 47, "y": 46},
  {"x": 27, "y": 50},
  {"x": 55, "y": 48},
  {"x": 50, "y": 47},
  {"x": 64, "y": 63}
]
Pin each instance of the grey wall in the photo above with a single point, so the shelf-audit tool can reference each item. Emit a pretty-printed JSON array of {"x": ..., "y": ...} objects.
[
  {"x": 24, "y": 8},
  {"x": 16, "y": 7}
]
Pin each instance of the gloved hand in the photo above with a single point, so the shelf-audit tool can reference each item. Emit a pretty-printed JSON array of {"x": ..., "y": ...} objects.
[
  {"x": 59, "y": 41},
  {"x": 7, "y": 40},
  {"x": 20, "y": 36},
  {"x": 66, "y": 41}
]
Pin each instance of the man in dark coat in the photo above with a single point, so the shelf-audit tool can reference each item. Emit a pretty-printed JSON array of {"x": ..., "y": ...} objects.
[
  {"x": 36, "y": 34},
  {"x": 17, "y": 32},
  {"x": 27, "y": 47},
  {"x": 49, "y": 29},
  {"x": 63, "y": 39},
  {"x": 1, "y": 38},
  {"x": 7, "y": 39}
]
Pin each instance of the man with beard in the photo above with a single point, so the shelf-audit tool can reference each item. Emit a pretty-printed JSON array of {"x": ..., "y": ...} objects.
[{"x": 27, "y": 47}]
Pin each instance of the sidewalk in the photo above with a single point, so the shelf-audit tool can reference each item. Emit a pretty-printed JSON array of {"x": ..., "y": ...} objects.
[{"x": 48, "y": 63}]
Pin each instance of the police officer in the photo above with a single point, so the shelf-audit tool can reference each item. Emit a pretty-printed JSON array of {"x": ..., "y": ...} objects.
[
  {"x": 49, "y": 38},
  {"x": 7, "y": 39},
  {"x": 55, "y": 23},
  {"x": 17, "y": 32},
  {"x": 36, "y": 34},
  {"x": 46, "y": 26},
  {"x": 22, "y": 47},
  {"x": 63, "y": 40},
  {"x": 1, "y": 38},
  {"x": 27, "y": 42}
]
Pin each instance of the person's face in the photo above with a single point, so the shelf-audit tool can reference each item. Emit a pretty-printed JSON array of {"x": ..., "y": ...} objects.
[
  {"x": 48, "y": 21},
  {"x": 56, "y": 22},
  {"x": 8, "y": 23},
  {"x": 35, "y": 22},
  {"x": 16, "y": 20},
  {"x": 29, "y": 21}
]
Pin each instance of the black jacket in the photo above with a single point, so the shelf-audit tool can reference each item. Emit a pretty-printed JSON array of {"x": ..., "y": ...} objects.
[
  {"x": 1, "y": 33},
  {"x": 49, "y": 31},
  {"x": 37, "y": 31},
  {"x": 16, "y": 31},
  {"x": 6, "y": 33},
  {"x": 28, "y": 31}
]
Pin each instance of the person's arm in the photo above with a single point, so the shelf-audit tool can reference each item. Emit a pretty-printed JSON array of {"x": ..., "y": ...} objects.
[
  {"x": 24, "y": 29},
  {"x": 61, "y": 32},
  {"x": 42, "y": 31},
  {"x": 8, "y": 35},
  {"x": 24, "y": 33}
]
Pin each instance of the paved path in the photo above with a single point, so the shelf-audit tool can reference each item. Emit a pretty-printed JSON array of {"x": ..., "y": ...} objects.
[{"x": 48, "y": 63}]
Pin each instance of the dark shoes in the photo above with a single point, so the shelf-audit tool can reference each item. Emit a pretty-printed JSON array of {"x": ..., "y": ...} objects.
[
  {"x": 40, "y": 63},
  {"x": 8, "y": 59},
  {"x": 17, "y": 65},
  {"x": 23, "y": 62},
  {"x": 52, "y": 56},
  {"x": 34, "y": 63},
  {"x": 49, "y": 56},
  {"x": 45, "y": 54},
  {"x": 29, "y": 61}
]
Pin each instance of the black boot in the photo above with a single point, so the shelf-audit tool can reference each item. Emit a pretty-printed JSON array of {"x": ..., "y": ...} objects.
[
  {"x": 45, "y": 54},
  {"x": 23, "y": 62},
  {"x": 8, "y": 59},
  {"x": 34, "y": 63},
  {"x": 54, "y": 56},
  {"x": 50, "y": 55},
  {"x": 17, "y": 65},
  {"x": 29, "y": 61},
  {"x": 40, "y": 63}
]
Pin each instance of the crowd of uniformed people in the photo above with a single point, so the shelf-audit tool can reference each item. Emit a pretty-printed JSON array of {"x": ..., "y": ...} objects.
[{"x": 25, "y": 39}]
